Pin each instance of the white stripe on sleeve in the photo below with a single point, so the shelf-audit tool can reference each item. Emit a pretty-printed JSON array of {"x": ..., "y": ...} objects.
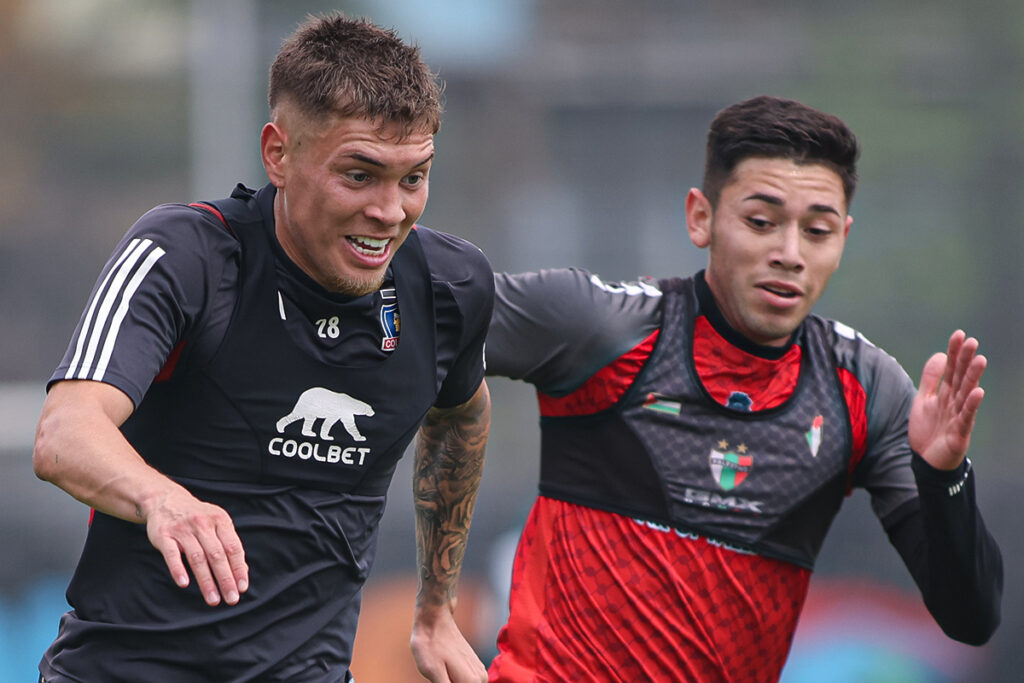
[
  {"x": 103, "y": 301},
  {"x": 84, "y": 332},
  {"x": 122, "y": 310}
]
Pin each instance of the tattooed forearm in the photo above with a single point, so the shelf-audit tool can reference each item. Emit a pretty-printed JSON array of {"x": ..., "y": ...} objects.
[{"x": 448, "y": 467}]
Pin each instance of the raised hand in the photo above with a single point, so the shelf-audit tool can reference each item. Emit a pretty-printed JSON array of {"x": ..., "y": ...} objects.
[{"x": 942, "y": 415}]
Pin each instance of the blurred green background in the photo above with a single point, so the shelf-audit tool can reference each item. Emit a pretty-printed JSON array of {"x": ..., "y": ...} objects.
[{"x": 573, "y": 129}]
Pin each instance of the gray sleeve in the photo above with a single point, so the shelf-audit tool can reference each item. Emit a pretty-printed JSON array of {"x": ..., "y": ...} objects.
[
  {"x": 885, "y": 469},
  {"x": 556, "y": 328}
]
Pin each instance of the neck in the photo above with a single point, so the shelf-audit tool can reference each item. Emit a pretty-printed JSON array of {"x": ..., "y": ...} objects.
[{"x": 709, "y": 308}]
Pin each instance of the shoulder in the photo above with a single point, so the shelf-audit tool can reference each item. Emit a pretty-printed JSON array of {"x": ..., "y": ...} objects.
[
  {"x": 162, "y": 275},
  {"x": 887, "y": 386},
  {"x": 578, "y": 297},
  {"x": 184, "y": 232},
  {"x": 459, "y": 269},
  {"x": 451, "y": 258},
  {"x": 174, "y": 219},
  {"x": 555, "y": 328},
  {"x": 198, "y": 268}
]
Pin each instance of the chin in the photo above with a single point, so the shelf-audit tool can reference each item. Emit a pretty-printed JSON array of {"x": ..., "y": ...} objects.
[
  {"x": 771, "y": 335},
  {"x": 350, "y": 286},
  {"x": 780, "y": 337}
]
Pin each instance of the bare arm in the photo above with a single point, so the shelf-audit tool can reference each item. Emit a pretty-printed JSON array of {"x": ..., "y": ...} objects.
[
  {"x": 448, "y": 467},
  {"x": 79, "y": 448}
]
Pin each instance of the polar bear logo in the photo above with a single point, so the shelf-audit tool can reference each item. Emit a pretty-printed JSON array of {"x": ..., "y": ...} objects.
[{"x": 318, "y": 403}]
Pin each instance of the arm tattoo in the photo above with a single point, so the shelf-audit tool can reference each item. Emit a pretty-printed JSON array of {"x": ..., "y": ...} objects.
[{"x": 448, "y": 466}]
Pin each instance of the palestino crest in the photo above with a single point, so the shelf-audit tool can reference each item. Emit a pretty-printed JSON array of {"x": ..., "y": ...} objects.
[
  {"x": 729, "y": 468},
  {"x": 814, "y": 435}
]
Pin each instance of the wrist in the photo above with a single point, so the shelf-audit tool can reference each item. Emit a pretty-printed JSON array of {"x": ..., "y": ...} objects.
[
  {"x": 151, "y": 498},
  {"x": 931, "y": 476},
  {"x": 428, "y": 611}
]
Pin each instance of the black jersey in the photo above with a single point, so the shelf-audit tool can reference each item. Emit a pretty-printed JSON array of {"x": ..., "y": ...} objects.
[{"x": 276, "y": 400}]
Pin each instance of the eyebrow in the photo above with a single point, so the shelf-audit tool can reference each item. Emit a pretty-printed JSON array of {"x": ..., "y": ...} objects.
[
  {"x": 380, "y": 164},
  {"x": 776, "y": 201}
]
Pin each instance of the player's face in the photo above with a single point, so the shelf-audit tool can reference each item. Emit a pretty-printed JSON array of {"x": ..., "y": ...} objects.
[
  {"x": 348, "y": 194},
  {"x": 774, "y": 238}
]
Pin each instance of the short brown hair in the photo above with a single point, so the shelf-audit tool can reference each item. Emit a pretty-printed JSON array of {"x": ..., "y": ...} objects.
[
  {"x": 774, "y": 128},
  {"x": 350, "y": 67}
]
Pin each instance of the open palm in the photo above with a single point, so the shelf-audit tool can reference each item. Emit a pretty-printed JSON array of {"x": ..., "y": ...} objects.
[{"x": 942, "y": 415}]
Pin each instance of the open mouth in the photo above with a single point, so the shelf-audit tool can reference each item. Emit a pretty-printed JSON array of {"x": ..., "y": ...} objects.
[{"x": 369, "y": 246}]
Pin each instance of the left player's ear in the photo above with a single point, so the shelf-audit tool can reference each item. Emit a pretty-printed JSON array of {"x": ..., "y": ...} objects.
[
  {"x": 272, "y": 148},
  {"x": 698, "y": 218}
]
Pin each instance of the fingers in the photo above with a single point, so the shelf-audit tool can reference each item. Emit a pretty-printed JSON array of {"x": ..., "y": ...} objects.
[
  {"x": 931, "y": 376},
  {"x": 964, "y": 367},
  {"x": 466, "y": 668},
  {"x": 960, "y": 389},
  {"x": 232, "y": 544},
  {"x": 954, "y": 363},
  {"x": 442, "y": 653},
  {"x": 955, "y": 374},
  {"x": 172, "y": 558},
  {"x": 219, "y": 563},
  {"x": 460, "y": 668},
  {"x": 477, "y": 672},
  {"x": 970, "y": 411},
  {"x": 206, "y": 538},
  {"x": 196, "y": 555},
  {"x": 971, "y": 382},
  {"x": 943, "y": 414}
]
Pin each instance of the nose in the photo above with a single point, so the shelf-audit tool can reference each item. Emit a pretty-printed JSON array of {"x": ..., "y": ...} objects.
[
  {"x": 386, "y": 206},
  {"x": 788, "y": 253}
]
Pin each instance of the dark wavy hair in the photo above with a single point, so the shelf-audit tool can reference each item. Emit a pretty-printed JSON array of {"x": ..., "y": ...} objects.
[{"x": 775, "y": 128}]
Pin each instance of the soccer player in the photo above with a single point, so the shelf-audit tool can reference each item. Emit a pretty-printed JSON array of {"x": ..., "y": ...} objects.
[
  {"x": 244, "y": 378},
  {"x": 698, "y": 435}
]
